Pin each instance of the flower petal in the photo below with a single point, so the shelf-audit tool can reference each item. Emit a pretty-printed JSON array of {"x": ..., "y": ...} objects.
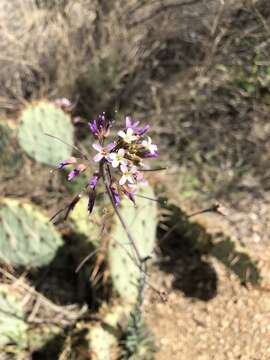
[
  {"x": 122, "y": 134},
  {"x": 112, "y": 156},
  {"x": 123, "y": 162},
  {"x": 129, "y": 132},
  {"x": 73, "y": 174},
  {"x": 94, "y": 179},
  {"x": 122, "y": 180},
  {"x": 115, "y": 196},
  {"x": 121, "y": 152},
  {"x": 123, "y": 168},
  {"x": 110, "y": 146},
  {"x": 128, "y": 122},
  {"x": 98, "y": 157},
  {"x": 115, "y": 163},
  {"x": 97, "y": 147},
  {"x": 130, "y": 179}
]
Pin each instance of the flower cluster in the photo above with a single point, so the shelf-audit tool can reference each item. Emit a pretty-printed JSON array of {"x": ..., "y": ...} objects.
[{"x": 121, "y": 162}]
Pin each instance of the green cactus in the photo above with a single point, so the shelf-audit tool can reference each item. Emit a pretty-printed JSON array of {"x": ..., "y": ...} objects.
[
  {"x": 26, "y": 236},
  {"x": 10, "y": 157},
  {"x": 102, "y": 343},
  {"x": 13, "y": 329},
  {"x": 86, "y": 225},
  {"x": 104, "y": 337},
  {"x": 41, "y": 118},
  {"x": 141, "y": 222}
]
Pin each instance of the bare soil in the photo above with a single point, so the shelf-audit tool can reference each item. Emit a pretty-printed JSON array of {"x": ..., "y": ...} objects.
[{"x": 212, "y": 312}]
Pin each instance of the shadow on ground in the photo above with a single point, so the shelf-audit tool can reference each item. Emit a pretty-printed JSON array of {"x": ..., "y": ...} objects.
[
  {"x": 186, "y": 249},
  {"x": 60, "y": 282}
]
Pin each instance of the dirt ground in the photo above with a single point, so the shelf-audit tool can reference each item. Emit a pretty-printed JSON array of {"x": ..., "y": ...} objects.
[{"x": 211, "y": 314}]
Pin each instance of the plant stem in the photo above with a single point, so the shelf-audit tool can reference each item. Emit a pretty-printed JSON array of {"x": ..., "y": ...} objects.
[{"x": 104, "y": 173}]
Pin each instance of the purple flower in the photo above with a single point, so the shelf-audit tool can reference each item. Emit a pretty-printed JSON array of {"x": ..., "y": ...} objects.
[
  {"x": 94, "y": 180},
  {"x": 71, "y": 160},
  {"x": 138, "y": 176},
  {"x": 150, "y": 155},
  {"x": 103, "y": 152},
  {"x": 135, "y": 126},
  {"x": 115, "y": 195},
  {"x": 100, "y": 127},
  {"x": 147, "y": 144},
  {"x": 119, "y": 165},
  {"x": 93, "y": 127},
  {"x": 75, "y": 172}
]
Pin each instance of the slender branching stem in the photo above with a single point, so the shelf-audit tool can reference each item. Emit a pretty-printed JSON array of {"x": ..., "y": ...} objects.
[
  {"x": 105, "y": 176},
  {"x": 139, "y": 261}
]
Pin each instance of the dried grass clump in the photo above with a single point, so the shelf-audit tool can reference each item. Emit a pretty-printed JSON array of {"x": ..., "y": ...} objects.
[
  {"x": 86, "y": 48},
  {"x": 39, "y": 55},
  {"x": 100, "y": 51}
]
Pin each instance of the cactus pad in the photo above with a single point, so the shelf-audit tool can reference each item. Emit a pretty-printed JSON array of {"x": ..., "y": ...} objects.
[
  {"x": 10, "y": 157},
  {"x": 104, "y": 337},
  {"x": 26, "y": 236},
  {"x": 40, "y": 118},
  {"x": 141, "y": 222},
  {"x": 12, "y": 326},
  {"x": 86, "y": 225}
]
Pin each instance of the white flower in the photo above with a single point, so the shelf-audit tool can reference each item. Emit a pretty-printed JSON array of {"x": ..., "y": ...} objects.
[
  {"x": 127, "y": 136},
  {"x": 118, "y": 158},
  {"x": 152, "y": 148},
  {"x": 102, "y": 151},
  {"x": 128, "y": 174}
]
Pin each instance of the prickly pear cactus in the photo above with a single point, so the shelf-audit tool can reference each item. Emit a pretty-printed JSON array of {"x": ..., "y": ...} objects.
[
  {"x": 38, "y": 119},
  {"x": 26, "y": 236},
  {"x": 86, "y": 225},
  {"x": 10, "y": 157},
  {"x": 103, "y": 337},
  {"x": 141, "y": 222},
  {"x": 12, "y": 326}
]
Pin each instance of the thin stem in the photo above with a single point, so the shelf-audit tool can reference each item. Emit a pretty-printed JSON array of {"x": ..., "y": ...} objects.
[
  {"x": 107, "y": 185},
  {"x": 139, "y": 262},
  {"x": 154, "y": 169},
  {"x": 146, "y": 197},
  {"x": 72, "y": 146}
]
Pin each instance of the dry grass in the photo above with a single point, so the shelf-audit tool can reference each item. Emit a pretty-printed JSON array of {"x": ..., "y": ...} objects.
[
  {"x": 83, "y": 48},
  {"x": 185, "y": 64}
]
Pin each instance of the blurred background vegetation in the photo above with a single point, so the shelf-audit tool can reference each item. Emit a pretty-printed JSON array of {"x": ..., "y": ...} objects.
[{"x": 199, "y": 72}]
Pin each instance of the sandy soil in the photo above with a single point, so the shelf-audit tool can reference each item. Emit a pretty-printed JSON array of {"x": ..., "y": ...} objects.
[{"x": 211, "y": 314}]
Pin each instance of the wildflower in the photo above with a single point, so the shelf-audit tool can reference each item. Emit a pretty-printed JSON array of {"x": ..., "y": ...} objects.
[
  {"x": 119, "y": 163},
  {"x": 118, "y": 158},
  {"x": 135, "y": 126},
  {"x": 75, "y": 172},
  {"x": 94, "y": 180},
  {"x": 138, "y": 176},
  {"x": 71, "y": 160},
  {"x": 128, "y": 136},
  {"x": 102, "y": 151},
  {"x": 100, "y": 127},
  {"x": 128, "y": 174},
  {"x": 147, "y": 144},
  {"x": 115, "y": 195}
]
